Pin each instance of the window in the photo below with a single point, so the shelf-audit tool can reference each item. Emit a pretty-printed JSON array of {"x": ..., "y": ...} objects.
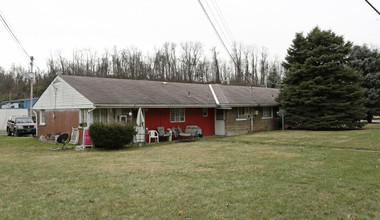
[
  {"x": 123, "y": 119},
  {"x": 267, "y": 112},
  {"x": 219, "y": 114},
  {"x": 205, "y": 112},
  {"x": 83, "y": 117},
  {"x": 42, "y": 117},
  {"x": 100, "y": 115},
  {"x": 104, "y": 115},
  {"x": 177, "y": 115},
  {"x": 241, "y": 113},
  {"x": 95, "y": 115}
]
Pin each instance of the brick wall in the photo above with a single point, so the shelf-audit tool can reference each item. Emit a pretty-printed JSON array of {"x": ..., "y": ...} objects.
[
  {"x": 63, "y": 122},
  {"x": 236, "y": 127},
  {"x": 260, "y": 124},
  {"x": 233, "y": 126}
]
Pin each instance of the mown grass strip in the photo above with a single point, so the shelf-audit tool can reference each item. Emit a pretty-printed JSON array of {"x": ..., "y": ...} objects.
[{"x": 200, "y": 180}]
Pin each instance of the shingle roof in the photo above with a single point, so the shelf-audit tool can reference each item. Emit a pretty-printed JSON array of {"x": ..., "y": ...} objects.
[
  {"x": 109, "y": 91},
  {"x": 140, "y": 92},
  {"x": 244, "y": 95}
]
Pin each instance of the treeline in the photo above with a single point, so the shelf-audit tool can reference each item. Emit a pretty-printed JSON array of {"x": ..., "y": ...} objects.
[
  {"x": 13, "y": 84},
  {"x": 186, "y": 62}
]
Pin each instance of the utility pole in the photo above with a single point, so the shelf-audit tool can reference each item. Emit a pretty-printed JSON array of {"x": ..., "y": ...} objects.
[{"x": 31, "y": 86}]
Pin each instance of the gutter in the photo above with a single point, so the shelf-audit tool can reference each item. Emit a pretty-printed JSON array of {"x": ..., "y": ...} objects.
[
  {"x": 35, "y": 113},
  {"x": 229, "y": 106},
  {"x": 155, "y": 106}
]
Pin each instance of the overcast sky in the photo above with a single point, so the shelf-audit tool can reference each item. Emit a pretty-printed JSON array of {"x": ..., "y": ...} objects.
[{"x": 46, "y": 27}]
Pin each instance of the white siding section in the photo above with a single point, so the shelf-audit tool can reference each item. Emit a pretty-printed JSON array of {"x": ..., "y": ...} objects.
[
  {"x": 60, "y": 95},
  {"x": 5, "y": 114}
]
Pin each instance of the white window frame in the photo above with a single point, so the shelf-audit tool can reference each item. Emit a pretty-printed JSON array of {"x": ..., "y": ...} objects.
[
  {"x": 205, "y": 112},
  {"x": 241, "y": 116},
  {"x": 42, "y": 117},
  {"x": 177, "y": 115},
  {"x": 83, "y": 116},
  {"x": 267, "y": 112},
  {"x": 101, "y": 115},
  {"x": 123, "y": 119}
]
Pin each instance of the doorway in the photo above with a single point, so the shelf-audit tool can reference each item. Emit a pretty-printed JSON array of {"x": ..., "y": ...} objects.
[{"x": 220, "y": 125}]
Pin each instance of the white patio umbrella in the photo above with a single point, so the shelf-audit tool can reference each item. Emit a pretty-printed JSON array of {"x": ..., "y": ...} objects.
[
  {"x": 140, "y": 137},
  {"x": 140, "y": 119}
]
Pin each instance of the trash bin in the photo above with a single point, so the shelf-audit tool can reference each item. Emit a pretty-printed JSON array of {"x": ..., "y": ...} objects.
[{"x": 86, "y": 138}]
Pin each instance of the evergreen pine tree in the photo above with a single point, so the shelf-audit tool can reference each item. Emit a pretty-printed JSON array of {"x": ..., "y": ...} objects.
[
  {"x": 367, "y": 62},
  {"x": 274, "y": 78},
  {"x": 319, "y": 90}
]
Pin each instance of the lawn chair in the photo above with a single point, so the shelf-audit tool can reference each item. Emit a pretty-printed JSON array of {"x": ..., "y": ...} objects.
[
  {"x": 162, "y": 134},
  {"x": 153, "y": 134},
  {"x": 74, "y": 136}
]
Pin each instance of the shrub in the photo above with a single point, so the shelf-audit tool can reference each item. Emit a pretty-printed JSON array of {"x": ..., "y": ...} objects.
[{"x": 111, "y": 136}]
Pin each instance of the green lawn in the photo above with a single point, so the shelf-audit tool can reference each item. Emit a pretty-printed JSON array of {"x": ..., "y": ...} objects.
[
  {"x": 367, "y": 139},
  {"x": 246, "y": 177}
]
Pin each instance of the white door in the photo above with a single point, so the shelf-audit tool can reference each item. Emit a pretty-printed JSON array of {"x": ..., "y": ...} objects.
[{"x": 220, "y": 128}]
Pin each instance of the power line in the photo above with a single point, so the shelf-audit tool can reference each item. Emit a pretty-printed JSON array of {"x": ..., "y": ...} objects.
[
  {"x": 216, "y": 31},
  {"x": 220, "y": 14},
  {"x": 221, "y": 40},
  {"x": 10, "y": 31},
  {"x": 13, "y": 35},
  {"x": 216, "y": 20},
  {"x": 373, "y": 7}
]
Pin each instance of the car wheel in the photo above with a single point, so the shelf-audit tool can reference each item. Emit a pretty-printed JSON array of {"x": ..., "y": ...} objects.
[
  {"x": 9, "y": 132},
  {"x": 15, "y": 133}
]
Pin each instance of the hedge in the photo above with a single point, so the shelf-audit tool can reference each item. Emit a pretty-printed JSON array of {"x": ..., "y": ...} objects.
[{"x": 111, "y": 136}]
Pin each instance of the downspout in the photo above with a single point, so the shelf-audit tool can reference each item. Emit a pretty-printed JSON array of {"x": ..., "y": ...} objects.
[
  {"x": 35, "y": 113},
  {"x": 251, "y": 123},
  {"x": 88, "y": 124},
  {"x": 88, "y": 114},
  {"x": 252, "y": 113}
]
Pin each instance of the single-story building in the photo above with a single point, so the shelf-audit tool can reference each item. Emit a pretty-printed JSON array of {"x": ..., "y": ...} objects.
[
  {"x": 77, "y": 101},
  {"x": 12, "y": 108},
  {"x": 18, "y": 104}
]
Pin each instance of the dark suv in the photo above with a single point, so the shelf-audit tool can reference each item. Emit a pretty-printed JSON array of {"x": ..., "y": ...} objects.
[{"x": 18, "y": 125}]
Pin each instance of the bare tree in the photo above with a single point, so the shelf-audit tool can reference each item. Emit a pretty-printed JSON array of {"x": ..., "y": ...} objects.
[
  {"x": 117, "y": 68},
  {"x": 254, "y": 65},
  {"x": 264, "y": 66},
  {"x": 190, "y": 57},
  {"x": 237, "y": 60},
  {"x": 215, "y": 64}
]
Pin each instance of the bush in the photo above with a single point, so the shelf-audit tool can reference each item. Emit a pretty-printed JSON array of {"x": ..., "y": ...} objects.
[{"x": 111, "y": 136}]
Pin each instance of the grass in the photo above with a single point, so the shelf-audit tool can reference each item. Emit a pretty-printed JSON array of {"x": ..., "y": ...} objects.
[
  {"x": 244, "y": 177},
  {"x": 365, "y": 139}
]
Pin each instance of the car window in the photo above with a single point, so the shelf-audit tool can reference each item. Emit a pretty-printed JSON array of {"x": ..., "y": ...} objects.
[{"x": 24, "y": 120}]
